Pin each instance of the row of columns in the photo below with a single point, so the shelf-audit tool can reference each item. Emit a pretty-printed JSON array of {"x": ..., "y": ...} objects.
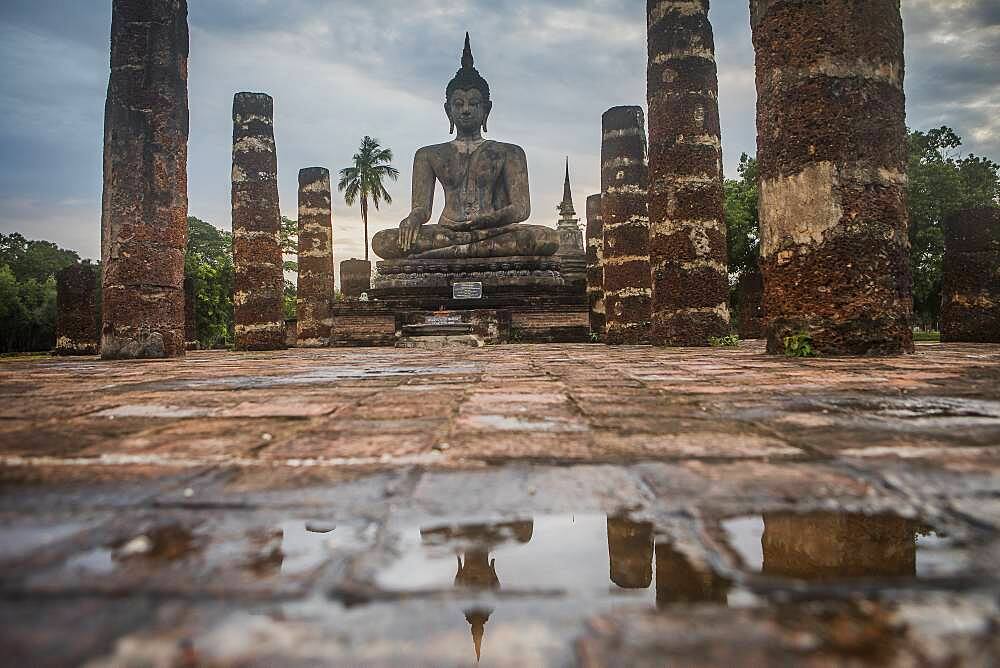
[
  {"x": 147, "y": 306},
  {"x": 831, "y": 155}
]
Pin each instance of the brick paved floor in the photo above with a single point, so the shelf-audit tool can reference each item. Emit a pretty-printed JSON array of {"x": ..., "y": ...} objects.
[{"x": 639, "y": 506}]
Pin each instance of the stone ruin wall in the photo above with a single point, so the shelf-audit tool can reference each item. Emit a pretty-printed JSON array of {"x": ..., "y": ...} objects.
[
  {"x": 970, "y": 281},
  {"x": 76, "y": 311}
]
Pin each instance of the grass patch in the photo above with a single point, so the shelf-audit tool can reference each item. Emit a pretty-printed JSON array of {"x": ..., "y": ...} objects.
[
  {"x": 927, "y": 336},
  {"x": 730, "y": 341}
]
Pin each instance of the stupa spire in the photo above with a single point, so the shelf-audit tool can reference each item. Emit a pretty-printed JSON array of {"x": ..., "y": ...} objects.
[{"x": 566, "y": 209}]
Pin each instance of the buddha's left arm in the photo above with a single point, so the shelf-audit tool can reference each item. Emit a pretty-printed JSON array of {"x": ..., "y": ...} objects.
[{"x": 515, "y": 177}]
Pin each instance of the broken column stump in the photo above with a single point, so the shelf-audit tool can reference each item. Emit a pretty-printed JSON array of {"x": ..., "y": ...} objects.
[
  {"x": 355, "y": 278},
  {"x": 595, "y": 266},
  {"x": 315, "y": 288},
  {"x": 624, "y": 181},
  {"x": 144, "y": 212},
  {"x": 258, "y": 297},
  {"x": 190, "y": 314},
  {"x": 76, "y": 311},
  {"x": 831, "y": 139},
  {"x": 970, "y": 280},
  {"x": 751, "y": 305},
  {"x": 687, "y": 230}
]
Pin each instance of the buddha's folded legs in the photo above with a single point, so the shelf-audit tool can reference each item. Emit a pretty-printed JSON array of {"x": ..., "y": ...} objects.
[{"x": 438, "y": 242}]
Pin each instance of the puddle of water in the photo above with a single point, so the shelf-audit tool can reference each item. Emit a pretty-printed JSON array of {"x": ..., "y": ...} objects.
[
  {"x": 160, "y": 546},
  {"x": 588, "y": 562},
  {"x": 291, "y": 548},
  {"x": 589, "y": 556},
  {"x": 840, "y": 546}
]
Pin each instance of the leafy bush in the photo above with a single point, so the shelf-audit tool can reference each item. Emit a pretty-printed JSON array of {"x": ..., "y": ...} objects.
[{"x": 799, "y": 345}]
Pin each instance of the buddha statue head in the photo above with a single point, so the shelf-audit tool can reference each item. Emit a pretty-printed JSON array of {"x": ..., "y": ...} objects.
[{"x": 467, "y": 98}]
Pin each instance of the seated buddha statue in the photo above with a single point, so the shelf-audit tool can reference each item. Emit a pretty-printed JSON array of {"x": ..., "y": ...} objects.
[{"x": 485, "y": 188}]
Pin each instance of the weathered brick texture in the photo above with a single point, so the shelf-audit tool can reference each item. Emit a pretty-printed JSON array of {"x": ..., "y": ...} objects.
[
  {"x": 76, "y": 311},
  {"x": 315, "y": 288},
  {"x": 595, "y": 265},
  {"x": 355, "y": 277},
  {"x": 970, "y": 281},
  {"x": 144, "y": 212},
  {"x": 831, "y": 151},
  {"x": 259, "y": 291},
  {"x": 624, "y": 183},
  {"x": 687, "y": 230}
]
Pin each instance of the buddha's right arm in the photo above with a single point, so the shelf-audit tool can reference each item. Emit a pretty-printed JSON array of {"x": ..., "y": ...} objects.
[{"x": 422, "y": 189}]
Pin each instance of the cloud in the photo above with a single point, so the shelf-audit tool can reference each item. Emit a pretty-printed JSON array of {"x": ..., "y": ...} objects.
[{"x": 340, "y": 69}]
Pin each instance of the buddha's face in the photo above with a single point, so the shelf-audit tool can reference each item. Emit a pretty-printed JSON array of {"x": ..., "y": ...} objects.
[{"x": 468, "y": 110}]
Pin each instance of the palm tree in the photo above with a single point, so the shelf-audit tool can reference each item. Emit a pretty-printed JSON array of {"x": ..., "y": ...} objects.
[{"x": 364, "y": 179}]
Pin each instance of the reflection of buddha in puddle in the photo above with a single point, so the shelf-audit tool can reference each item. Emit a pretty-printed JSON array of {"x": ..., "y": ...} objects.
[
  {"x": 822, "y": 546},
  {"x": 476, "y": 571}
]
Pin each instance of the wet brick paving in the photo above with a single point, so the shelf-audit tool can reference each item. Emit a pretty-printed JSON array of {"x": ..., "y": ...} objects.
[{"x": 532, "y": 505}]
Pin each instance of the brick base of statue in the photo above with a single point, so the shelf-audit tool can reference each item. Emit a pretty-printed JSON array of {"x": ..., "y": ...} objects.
[{"x": 521, "y": 299}]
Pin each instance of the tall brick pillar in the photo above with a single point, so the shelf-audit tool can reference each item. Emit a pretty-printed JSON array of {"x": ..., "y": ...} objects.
[
  {"x": 970, "y": 281},
  {"x": 624, "y": 182},
  {"x": 831, "y": 149},
  {"x": 76, "y": 311},
  {"x": 687, "y": 229},
  {"x": 258, "y": 297},
  {"x": 595, "y": 265},
  {"x": 315, "y": 289},
  {"x": 144, "y": 210}
]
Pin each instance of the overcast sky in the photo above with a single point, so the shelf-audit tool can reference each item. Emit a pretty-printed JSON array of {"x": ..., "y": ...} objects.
[{"x": 340, "y": 69}]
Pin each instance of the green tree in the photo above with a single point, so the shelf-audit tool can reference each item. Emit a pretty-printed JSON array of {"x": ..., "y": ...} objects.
[
  {"x": 364, "y": 179},
  {"x": 209, "y": 260},
  {"x": 39, "y": 260},
  {"x": 742, "y": 222},
  {"x": 940, "y": 183},
  {"x": 290, "y": 249}
]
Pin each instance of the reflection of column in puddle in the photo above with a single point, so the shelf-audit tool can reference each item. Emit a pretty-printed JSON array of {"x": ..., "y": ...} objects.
[
  {"x": 630, "y": 551},
  {"x": 678, "y": 581},
  {"x": 476, "y": 570},
  {"x": 820, "y": 546}
]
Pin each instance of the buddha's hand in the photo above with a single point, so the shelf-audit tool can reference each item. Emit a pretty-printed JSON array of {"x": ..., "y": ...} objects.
[{"x": 409, "y": 228}]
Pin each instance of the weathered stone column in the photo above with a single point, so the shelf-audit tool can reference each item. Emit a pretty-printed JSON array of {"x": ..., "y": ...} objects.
[
  {"x": 355, "y": 277},
  {"x": 624, "y": 181},
  {"x": 76, "y": 311},
  {"x": 260, "y": 282},
  {"x": 970, "y": 282},
  {"x": 595, "y": 265},
  {"x": 315, "y": 290},
  {"x": 144, "y": 210},
  {"x": 190, "y": 315},
  {"x": 687, "y": 229},
  {"x": 831, "y": 149}
]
